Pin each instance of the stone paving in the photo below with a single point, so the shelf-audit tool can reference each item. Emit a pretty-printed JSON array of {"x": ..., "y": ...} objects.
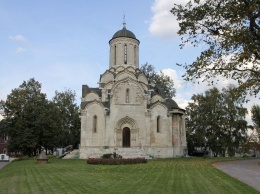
[
  {"x": 247, "y": 171},
  {"x": 2, "y": 164}
]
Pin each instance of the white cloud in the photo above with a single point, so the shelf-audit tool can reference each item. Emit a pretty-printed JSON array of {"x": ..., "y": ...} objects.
[
  {"x": 179, "y": 99},
  {"x": 173, "y": 75},
  {"x": 20, "y": 49},
  {"x": 164, "y": 23},
  {"x": 182, "y": 102},
  {"x": 18, "y": 38}
]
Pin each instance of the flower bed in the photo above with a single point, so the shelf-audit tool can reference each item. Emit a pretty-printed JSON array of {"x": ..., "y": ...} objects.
[{"x": 116, "y": 161}]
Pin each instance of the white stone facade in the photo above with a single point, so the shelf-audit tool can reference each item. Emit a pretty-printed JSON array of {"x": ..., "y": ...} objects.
[{"x": 126, "y": 114}]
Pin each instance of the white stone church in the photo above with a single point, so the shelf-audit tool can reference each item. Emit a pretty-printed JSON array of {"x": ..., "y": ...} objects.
[{"x": 126, "y": 114}]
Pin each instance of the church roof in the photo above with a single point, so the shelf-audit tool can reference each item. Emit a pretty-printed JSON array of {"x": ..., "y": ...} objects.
[
  {"x": 84, "y": 104},
  {"x": 124, "y": 33},
  {"x": 171, "y": 104},
  {"x": 86, "y": 89},
  {"x": 158, "y": 90}
]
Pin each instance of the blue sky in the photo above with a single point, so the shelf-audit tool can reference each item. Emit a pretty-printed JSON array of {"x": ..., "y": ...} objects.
[{"x": 63, "y": 44}]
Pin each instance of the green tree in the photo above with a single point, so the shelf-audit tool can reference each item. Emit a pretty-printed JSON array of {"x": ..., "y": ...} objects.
[
  {"x": 21, "y": 113},
  {"x": 159, "y": 79},
  {"x": 230, "y": 29},
  {"x": 234, "y": 120},
  {"x": 216, "y": 121},
  {"x": 48, "y": 123},
  {"x": 203, "y": 119},
  {"x": 255, "y": 110},
  {"x": 68, "y": 118}
]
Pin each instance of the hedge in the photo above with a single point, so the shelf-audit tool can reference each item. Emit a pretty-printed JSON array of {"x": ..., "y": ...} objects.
[{"x": 116, "y": 161}]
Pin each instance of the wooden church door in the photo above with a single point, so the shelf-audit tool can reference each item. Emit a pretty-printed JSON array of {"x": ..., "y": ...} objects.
[{"x": 126, "y": 137}]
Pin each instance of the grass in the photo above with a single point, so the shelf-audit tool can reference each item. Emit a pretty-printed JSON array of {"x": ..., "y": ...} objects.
[{"x": 187, "y": 175}]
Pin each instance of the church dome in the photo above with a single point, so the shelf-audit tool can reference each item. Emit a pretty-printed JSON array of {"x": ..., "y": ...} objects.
[
  {"x": 124, "y": 33},
  {"x": 171, "y": 104}
]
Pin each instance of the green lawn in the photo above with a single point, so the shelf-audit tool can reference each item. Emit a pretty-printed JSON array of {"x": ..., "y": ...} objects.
[{"x": 187, "y": 175}]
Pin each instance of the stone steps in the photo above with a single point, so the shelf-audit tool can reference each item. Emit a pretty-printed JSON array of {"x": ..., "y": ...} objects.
[{"x": 72, "y": 155}]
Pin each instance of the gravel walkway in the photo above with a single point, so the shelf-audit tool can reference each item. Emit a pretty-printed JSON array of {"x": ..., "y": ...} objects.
[
  {"x": 2, "y": 164},
  {"x": 247, "y": 171}
]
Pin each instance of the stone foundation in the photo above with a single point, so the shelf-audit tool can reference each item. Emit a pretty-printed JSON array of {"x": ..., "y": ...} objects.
[{"x": 133, "y": 152}]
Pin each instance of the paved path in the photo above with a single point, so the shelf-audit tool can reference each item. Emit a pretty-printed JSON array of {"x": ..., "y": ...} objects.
[
  {"x": 2, "y": 164},
  {"x": 247, "y": 171}
]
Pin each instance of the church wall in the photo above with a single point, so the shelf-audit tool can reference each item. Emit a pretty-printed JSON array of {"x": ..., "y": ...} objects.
[
  {"x": 178, "y": 139},
  {"x": 117, "y": 47},
  {"x": 161, "y": 131},
  {"x": 133, "y": 107},
  {"x": 136, "y": 114},
  {"x": 93, "y": 136},
  {"x": 112, "y": 56},
  {"x": 183, "y": 135}
]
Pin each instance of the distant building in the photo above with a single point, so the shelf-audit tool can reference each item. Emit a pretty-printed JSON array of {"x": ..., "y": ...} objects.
[
  {"x": 4, "y": 141},
  {"x": 126, "y": 114}
]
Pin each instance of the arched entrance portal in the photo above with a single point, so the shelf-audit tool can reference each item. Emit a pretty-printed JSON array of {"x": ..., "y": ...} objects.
[{"x": 126, "y": 137}]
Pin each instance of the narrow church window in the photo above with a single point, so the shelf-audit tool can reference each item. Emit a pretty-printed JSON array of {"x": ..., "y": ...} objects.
[
  {"x": 95, "y": 124},
  {"x": 180, "y": 126},
  {"x": 135, "y": 55},
  {"x": 127, "y": 96},
  {"x": 125, "y": 56},
  {"x": 115, "y": 55},
  {"x": 158, "y": 124}
]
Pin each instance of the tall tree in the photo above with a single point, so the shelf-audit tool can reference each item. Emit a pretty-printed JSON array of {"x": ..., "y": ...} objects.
[
  {"x": 21, "y": 113},
  {"x": 216, "y": 121},
  {"x": 69, "y": 118},
  {"x": 231, "y": 31},
  {"x": 235, "y": 124},
  {"x": 255, "y": 110},
  {"x": 48, "y": 123},
  {"x": 159, "y": 79}
]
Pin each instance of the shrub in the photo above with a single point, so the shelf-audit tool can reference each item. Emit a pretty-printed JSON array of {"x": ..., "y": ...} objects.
[
  {"x": 116, "y": 161},
  {"x": 107, "y": 156},
  {"x": 114, "y": 155}
]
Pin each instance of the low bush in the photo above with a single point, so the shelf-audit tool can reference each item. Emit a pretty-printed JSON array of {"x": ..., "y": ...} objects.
[
  {"x": 114, "y": 155},
  {"x": 116, "y": 161},
  {"x": 107, "y": 156}
]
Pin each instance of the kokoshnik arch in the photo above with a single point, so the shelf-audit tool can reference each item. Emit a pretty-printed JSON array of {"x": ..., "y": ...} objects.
[{"x": 126, "y": 114}]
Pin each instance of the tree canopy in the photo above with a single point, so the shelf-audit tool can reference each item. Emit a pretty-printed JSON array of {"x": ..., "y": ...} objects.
[
  {"x": 32, "y": 122},
  {"x": 216, "y": 121},
  {"x": 159, "y": 79},
  {"x": 255, "y": 110},
  {"x": 229, "y": 30},
  {"x": 69, "y": 118}
]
